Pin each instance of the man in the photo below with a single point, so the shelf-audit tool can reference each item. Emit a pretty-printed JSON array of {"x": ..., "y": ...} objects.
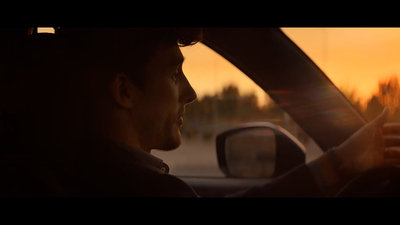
[{"x": 116, "y": 94}]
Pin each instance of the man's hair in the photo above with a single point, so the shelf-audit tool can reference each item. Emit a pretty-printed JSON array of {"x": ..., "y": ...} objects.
[{"x": 125, "y": 50}]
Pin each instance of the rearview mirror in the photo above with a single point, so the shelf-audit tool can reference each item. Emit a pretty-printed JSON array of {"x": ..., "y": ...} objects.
[{"x": 258, "y": 150}]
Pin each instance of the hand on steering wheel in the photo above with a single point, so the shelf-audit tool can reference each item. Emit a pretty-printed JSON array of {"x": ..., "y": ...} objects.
[
  {"x": 371, "y": 157},
  {"x": 374, "y": 145}
]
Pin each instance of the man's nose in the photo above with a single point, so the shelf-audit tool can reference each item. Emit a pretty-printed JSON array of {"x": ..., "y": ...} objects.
[{"x": 188, "y": 94}]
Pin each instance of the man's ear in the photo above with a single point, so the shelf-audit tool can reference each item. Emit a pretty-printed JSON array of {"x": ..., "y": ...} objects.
[{"x": 122, "y": 90}]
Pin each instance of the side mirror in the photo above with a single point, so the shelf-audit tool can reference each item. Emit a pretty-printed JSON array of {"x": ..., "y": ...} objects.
[{"x": 258, "y": 150}]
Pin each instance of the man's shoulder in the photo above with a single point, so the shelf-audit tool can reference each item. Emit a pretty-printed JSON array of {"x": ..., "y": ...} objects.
[
  {"x": 108, "y": 169},
  {"x": 132, "y": 180}
]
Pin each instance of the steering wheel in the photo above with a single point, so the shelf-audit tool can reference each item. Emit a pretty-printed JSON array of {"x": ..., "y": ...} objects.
[{"x": 379, "y": 182}]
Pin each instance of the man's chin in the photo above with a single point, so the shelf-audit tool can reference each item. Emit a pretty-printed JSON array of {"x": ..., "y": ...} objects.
[{"x": 171, "y": 144}]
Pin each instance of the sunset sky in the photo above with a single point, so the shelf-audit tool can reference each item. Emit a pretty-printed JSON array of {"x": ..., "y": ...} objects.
[
  {"x": 353, "y": 58},
  {"x": 208, "y": 72}
]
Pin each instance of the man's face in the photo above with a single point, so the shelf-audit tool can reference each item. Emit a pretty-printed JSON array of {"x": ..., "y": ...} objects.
[{"x": 160, "y": 105}]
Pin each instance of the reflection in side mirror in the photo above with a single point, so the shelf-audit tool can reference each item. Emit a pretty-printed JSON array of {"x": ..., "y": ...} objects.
[
  {"x": 251, "y": 153},
  {"x": 258, "y": 150}
]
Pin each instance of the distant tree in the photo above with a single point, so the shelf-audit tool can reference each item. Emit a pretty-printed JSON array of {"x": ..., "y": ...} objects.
[
  {"x": 208, "y": 107},
  {"x": 230, "y": 90},
  {"x": 248, "y": 106},
  {"x": 229, "y": 101},
  {"x": 249, "y": 101},
  {"x": 373, "y": 109},
  {"x": 389, "y": 93}
]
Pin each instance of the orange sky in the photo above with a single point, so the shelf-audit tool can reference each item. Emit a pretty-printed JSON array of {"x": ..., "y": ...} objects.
[
  {"x": 352, "y": 58},
  {"x": 208, "y": 72}
]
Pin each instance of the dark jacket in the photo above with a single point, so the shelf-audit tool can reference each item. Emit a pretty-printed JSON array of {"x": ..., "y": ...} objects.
[{"x": 103, "y": 168}]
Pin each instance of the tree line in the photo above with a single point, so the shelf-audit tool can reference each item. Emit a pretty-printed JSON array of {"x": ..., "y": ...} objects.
[
  {"x": 207, "y": 116},
  {"x": 387, "y": 93}
]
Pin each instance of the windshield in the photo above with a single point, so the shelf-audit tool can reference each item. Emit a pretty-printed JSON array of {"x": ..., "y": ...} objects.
[{"x": 362, "y": 62}]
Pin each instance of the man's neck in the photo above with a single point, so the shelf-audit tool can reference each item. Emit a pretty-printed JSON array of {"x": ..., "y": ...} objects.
[{"x": 117, "y": 128}]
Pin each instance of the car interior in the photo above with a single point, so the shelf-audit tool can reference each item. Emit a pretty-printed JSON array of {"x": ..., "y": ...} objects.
[{"x": 254, "y": 153}]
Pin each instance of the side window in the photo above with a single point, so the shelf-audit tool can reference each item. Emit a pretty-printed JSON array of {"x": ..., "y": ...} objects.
[{"x": 226, "y": 97}]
